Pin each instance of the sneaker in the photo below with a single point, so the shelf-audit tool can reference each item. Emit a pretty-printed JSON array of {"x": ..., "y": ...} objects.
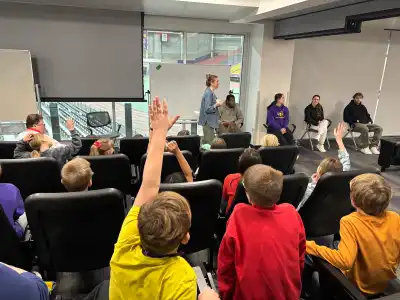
[
  {"x": 321, "y": 148},
  {"x": 366, "y": 151},
  {"x": 375, "y": 150}
]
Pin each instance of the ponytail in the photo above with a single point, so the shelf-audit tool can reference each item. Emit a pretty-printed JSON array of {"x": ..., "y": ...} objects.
[
  {"x": 101, "y": 147},
  {"x": 35, "y": 154},
  {"x": 210, "y": 79},
  {"x": 276, "y": 98}
]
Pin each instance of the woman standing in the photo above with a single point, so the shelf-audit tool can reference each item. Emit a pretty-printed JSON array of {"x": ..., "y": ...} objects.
[
  {"x": 278, "y": 120},
  {"x": 208, "y": 117},
  {"x": 314, "y": 115}
]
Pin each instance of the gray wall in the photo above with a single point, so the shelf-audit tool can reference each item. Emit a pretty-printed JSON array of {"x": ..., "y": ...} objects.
[{"x": 80, "y": 52}]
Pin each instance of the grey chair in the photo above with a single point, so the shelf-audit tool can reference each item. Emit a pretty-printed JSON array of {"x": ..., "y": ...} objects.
[{"x": 308, "y": 130}]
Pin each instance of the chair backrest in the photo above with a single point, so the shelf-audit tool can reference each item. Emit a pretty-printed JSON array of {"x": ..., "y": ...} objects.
[
  {"x": 170, "y": 164},
  {"x": 204, "y": 199},
  {"x": 329, "y": 202},
  {"x": 111, "y": 171},
  {"x": 237, "y": 139},
  {"x": 98, "y": 119},
  {"x": 281, "y": 158},
  {"x": 134, "y": 148},
  {"x": 218, "y": 163},
  {"x": 294, "y": 187},
  {"x": 87, "y": 142},
  {"x": 7, "y": 149},
  {"x": 32, "y": 175},
  {"x": 10, "y": 251},
  {"x": 75, "y": 232},
  {"x": 188, "y": 142}
]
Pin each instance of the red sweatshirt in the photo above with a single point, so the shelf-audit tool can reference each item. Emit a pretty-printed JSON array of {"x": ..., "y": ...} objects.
[
  {"x": 262, "y": 254},
  {"x": 231, "y": 183}
]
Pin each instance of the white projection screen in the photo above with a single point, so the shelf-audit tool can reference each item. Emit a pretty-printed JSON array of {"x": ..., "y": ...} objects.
[{"x": 81, "y": 53}]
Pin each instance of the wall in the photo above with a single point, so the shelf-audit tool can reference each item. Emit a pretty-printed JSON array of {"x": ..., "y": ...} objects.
[{"x": 336, "y": 68}]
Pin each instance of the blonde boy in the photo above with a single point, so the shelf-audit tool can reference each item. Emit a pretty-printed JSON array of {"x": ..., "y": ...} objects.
[
  {"x": 76, "y": 175},
  {"x": 368, "y": 252},
  {"x": 145, "y": 263}
]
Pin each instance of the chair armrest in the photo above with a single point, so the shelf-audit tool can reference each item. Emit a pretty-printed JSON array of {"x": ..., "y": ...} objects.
[
  {"x": 294, "y": 128},
  {"x": 255, "y": 146},
  {"x": 265, "y": 126},
  {"x": 330, "y": 122},
  {"x": 338, "y": 278}
]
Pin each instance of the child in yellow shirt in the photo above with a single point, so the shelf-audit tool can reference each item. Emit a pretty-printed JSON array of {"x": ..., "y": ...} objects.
[
  {"x": 145, "y": 263},
  {"x": 369, "y": 249}
]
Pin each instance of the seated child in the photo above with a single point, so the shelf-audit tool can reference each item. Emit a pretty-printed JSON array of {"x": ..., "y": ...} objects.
[
  {"x": 178, "y": 177},
  {"x": 270, "y": 140},
  {"x": 250, "y": 157},
  {"x": 13, "y": 207},
  {"x": 76, "y": 175},
  {"x": 262, "y": 252},
  {"x": 217, "y": 143},
  {"x": 329, "y": 164},
  {"x": 369, "y": 249},
  {"x": 42, "y": 146},
  {"x": 146, "y": 263},
  {"x": 102, "y": 147}
]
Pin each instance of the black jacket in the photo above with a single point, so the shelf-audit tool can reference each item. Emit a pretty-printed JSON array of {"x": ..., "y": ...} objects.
[
  {"x": 356, "y": 113},
  {"x": 312, "y": 115}
]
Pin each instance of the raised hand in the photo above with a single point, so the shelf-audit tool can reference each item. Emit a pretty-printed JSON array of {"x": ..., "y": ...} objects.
[
  {"x": 70, "y": 124},
  {"x": 339, "y": 130},
  {"x": 172, "y": 147},
  {"x": 158, "y": 113},
  {"x": 28, "y": 137}
]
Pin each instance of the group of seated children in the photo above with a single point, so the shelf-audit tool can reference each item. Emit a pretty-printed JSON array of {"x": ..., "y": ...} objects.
[{"x": 263, "y": 251}]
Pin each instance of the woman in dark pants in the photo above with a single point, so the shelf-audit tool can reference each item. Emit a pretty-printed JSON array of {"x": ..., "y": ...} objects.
[{"x": 278, "y": 120}]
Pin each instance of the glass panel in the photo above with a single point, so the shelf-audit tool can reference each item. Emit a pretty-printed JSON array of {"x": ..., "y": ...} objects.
[
  {"x": 162, "y": 46},
  {"x": 218, "y": 49}
]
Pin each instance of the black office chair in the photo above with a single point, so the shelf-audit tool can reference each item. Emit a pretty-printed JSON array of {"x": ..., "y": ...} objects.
[
  {"x": 350, "y": 131},
  {"x": 329, "y": 202},
  {"x": 190, "y": 143},
  {"x": 12, "y": 251},
  {"x": 204, "y": 199},
  {"x": 281, "y": 158},
  {"x": 101, "y": 119},
  {"x": 32, "y": 175},
  {"x": 294, "y": 187},
  {"x": 237, "y": 139},
  {"x": 307, "y": 131},
  {"x": 7, "y": 149},
  {"x": 170, "y": 164},
  {"x": 111, "y": 171},
  {"x": 75, "y": 232},
  {"x": 218, "y": 163}
]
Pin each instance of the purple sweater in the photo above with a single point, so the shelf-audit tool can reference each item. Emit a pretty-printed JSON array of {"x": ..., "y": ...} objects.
[
  {"x": 13, "y": 206},
  {"x": 278, "y": 117}
]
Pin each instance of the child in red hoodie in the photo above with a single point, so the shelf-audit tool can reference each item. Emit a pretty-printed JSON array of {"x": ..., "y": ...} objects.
[{"x": 262, "y": 253}]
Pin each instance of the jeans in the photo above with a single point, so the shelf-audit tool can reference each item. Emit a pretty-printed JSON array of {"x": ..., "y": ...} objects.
[
  {"x": 208, "y": 134},
  {"x": 364, "y": 129},
  {"x": 322, "y": 128}
]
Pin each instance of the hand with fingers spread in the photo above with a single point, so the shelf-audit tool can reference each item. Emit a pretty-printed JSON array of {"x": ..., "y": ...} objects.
[
  {"x": 70, "y": 124},
  {"x": 158, "y": 113},
  {"x": 338, "y": 132}
]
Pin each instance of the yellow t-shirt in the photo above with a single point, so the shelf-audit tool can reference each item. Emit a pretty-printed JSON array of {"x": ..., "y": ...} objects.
[{"x": 136, "y": 276}]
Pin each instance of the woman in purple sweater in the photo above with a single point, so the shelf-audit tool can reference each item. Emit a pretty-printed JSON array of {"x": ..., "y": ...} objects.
[{"x": 278, "y": 120}]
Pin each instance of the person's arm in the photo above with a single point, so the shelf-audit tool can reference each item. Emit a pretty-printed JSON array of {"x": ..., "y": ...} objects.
[
  {"x": 348, "y": 116},
  {"x": 302, "y": 243},
  {"x": 187, "y": 171},
  {"x": 343, "y": 155},
  {"x": 286, "y": 119},
  {"x": 307, "y": 116},
  {"x": 239, "y": 117},
  {"x": 210, "y": 105},
  {"x": 368, "y": 115},
  {"x": 271, "y": 122},
  {"x": 226, "y": 262},
  {"x": 322, "y": 112},
  {"x": 76, "y": 144},
  {"x": 23, "y": 150},
  {"x": 19, "y": 211},
  {"x": 344, "y": 257},
  {"x": 310, "y": 188}
]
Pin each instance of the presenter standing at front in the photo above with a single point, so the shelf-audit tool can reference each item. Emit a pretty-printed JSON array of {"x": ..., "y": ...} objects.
[{"x": 208, "y": 117}]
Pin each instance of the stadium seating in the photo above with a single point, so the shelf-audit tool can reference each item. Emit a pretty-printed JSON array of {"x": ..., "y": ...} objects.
[
  {"x": 237, "y": 140},
  {"x": 12, "y": 250},
  {"x": 281, "y": 158},
  {"x": 7, "y": 149},
  {"x": 39, "y": 175},
  {"x": 329, "y": 202},
  {"x": 170, "y": 164},
  {"x": 204, "y": 198},
  {"x": 218, "y": 163},
  {"x": 75, "y": 232},
  {"x": 190, "y": 143}
]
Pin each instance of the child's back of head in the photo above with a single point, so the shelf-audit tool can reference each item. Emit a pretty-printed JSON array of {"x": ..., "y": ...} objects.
[
  {"x": 36, "y": 143},
  {"x": 177, "y": 177},
  {"x": 330, "y": 164},
  {"x": 76, "y": 175},
  {"x": 102, "y": 147},
  {"x": 263, "y": 185},
  {"x": 164, "y": 224},
  {"x": 370, "y": 193},
  {"x": 218, "y": 143},
  {"x": 183, "y": 132},
  {"x": 270, "y": 140},
  {"x": 249, "y": 157}
]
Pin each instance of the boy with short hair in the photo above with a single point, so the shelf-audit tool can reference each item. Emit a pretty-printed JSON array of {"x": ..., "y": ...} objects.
[
  {"x": 369, "y": 249},
  {"x": 262, "y": 252},
  {"x": 145, "y": 263},
  {"x": 76, "y": 175}
]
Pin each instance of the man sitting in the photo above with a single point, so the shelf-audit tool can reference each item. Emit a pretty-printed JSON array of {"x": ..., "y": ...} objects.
[
  {"x": 357, "y": 116},
  {"x": 230, "y": 116}
]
